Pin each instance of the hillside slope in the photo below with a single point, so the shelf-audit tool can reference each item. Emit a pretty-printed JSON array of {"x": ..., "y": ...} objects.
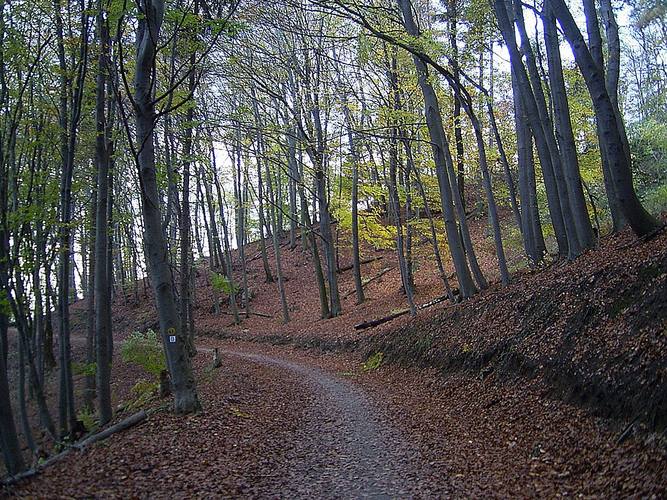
[{"x": 594, "y": 331}]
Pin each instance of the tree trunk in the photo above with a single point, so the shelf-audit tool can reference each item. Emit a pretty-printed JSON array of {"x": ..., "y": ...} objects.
[
  {"x": 102, "y": 292},
  {"x": 524, "y": 91},
  {"x": 11, "y": 449},
  {"x": 573, "y": 243},
  {"x": 354, "y": 155},
  {"x": 620, "y": 166},
  {"x": 533, "y": 239},
  {"x": 440, "y": 153},
  {"x": 178, "y": 361},
  {"x": 394, "y": 201},
  {"x": 564, "y": 134}
]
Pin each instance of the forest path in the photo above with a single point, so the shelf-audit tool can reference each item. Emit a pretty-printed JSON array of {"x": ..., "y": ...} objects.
[{"x": 343, "y": 448}]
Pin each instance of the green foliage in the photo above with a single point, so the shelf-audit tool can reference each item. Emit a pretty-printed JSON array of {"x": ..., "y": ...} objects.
[
  {"x": 373, "y": 362},
  {"x": 145, "y": 350},
  {"x": 144, "y": 392},
  {"x": 648, "y": 143},
  {"x": 87, "y": 369},
  {"x": 221, "y": 284},
  {"x": 655, "y": 200},
  {"x": 87, "y": 417}
]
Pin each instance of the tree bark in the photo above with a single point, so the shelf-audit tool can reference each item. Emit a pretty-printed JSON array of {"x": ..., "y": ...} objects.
[
  {"x": 620, "y": 166},
  {"x": 564, "y": 134},
  {"x": 178, "y": 361},
  {"x": 440, "y": 154},
  {"x": 102, "y": 291}
]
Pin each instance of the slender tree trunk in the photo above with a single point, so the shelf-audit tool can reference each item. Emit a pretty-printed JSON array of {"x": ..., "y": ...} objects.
[
  {"x": 429, "y": 215},
  {"x": 394, "y": 201},
  {"x": 454, "y": 62},
  {"x": 25, "y": 422},
  {"x": 175, "y": 345},
  {"x": 276, "y": 246},
  {"x": 102, "y": 294},
  {"x": 325, "y": 217},
  {"x": 68, "y": 125},
  {"x": 9, "y": 441},
  {"x": 620, "y": 166},
  {"x": 525, "y": 93},
  {"x": 354, "y": 155},
  {"x": 184, "y": 222},
  {"x": 573, "y": 244},
  {"x": 262, "y": 219},
  {"x": 89, "y": 390},
  {"x": 225, "y": 232},
  {"x": 533, "y": 239},
  {"x": 503, "y": 159},
  {"x": 440, "y": 154},
  {"x": 11, "y": 449},
  {"x": 564, "y": 134}
]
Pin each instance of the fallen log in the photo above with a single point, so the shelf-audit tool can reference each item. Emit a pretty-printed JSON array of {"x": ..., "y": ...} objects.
[
  {"x": 374, "y": 278},
  {"x": 365, "y": 261},
  {"x": 375, "y": 322},
  {"x": 242, "y": 312},
  {"x": 130, "y": 421},
  {"x": 120, "y": 426}
]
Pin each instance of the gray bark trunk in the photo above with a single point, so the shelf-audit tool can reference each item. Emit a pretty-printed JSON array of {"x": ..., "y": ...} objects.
[
  {"x": 102, "y": 286},
  {"x": 620, "y": 166},
  {"x": 178, "y": 361},
  {"x": 564, "y": 134},
  {"x": 440, "y": 154}
]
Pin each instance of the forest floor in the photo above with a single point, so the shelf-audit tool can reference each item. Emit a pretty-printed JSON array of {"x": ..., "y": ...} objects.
[{"x": 521, "y": 391}]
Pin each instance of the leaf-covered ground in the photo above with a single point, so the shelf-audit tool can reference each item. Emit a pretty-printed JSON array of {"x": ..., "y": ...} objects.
[
  {"x": 520, "y": 391},
  {"x": 280, "y": 422}
]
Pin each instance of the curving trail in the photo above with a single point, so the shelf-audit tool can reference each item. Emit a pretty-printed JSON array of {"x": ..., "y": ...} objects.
[{"x": 345, "y": 449}]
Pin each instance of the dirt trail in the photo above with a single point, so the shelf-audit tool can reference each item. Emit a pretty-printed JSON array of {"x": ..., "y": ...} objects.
[
  {"x": 274, "y": 425},
  {"x": 345, "y": 448}
]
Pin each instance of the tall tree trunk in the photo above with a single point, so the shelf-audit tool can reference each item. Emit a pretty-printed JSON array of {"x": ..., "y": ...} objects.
[
  {"x": 564, "y": 134},
  {"x": 11, "y": 448},
  {"x": 225, "y": 234},
  {"x": 429, "y": 216},
  {"x": 325, "y": 217},
  {"x": 524, "y": 92},
  {"x": 533, "y": 239},
  {"x": 68, "y": 123},
  {"x": 102, "y": 292},
  {"x": 175, "y": 345},
  {"x": 276, "y": 245},
  {"x": 440, "y": 154},
  {"x": 452, "y": 17},
  {"x": 184, "y": 222},
  {"x": 573, "y": 244},
  {"x": 89, "y": 390},
  {"x": 620, "y": 166},
  {"x": 354, "y": 155},
  {"x": 23, "y": 407},
  {"x": 394, "y": 201},
  {"x": 216, "y": 248}
]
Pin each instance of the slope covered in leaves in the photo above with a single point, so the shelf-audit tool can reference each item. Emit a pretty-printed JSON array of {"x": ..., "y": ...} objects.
[{"x": 594, "y": 331}]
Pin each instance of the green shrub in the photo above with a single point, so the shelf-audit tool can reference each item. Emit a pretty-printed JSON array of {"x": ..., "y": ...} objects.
[
  {"x": 144, "y": 392},
  {"x": 655, "y": 200},
  {"x": 223, "y": 285},
  {"x": 87, "y": 417},
  {"x": 145, "y": 350},
  {"x": 88, "y": 369},
  {"x": 373, "y": 362}
]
